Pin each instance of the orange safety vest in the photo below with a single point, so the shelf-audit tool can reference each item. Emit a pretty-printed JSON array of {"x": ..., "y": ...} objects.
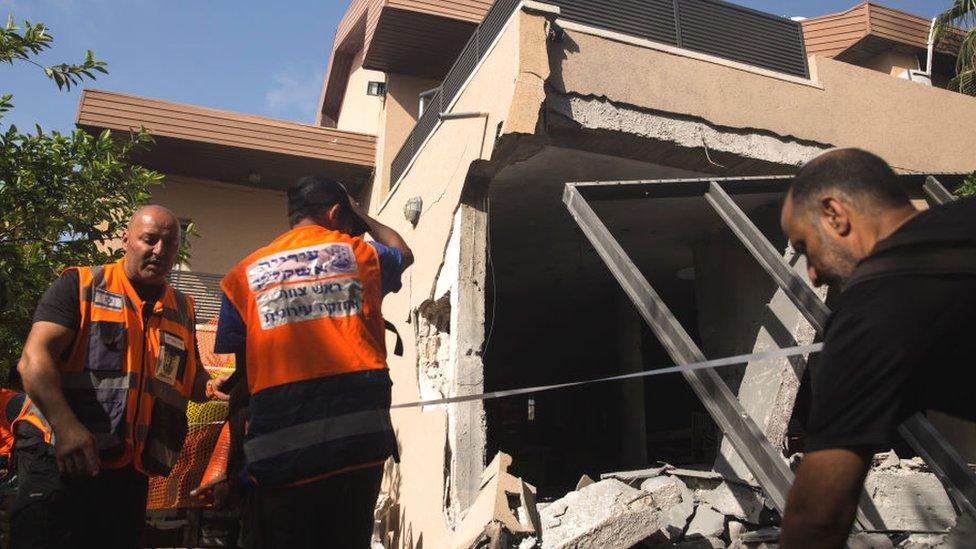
[
  {"x": 132, "y": 370},
  {"x": 316, "y": 356},
  {"x": 28, "y": 413},
  {"x": 12, "y": 404}
]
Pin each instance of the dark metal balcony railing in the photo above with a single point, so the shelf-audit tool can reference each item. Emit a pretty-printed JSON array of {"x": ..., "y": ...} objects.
[
  {"x": 713, "y": 27},
  {"x": 205, "y": 290}
]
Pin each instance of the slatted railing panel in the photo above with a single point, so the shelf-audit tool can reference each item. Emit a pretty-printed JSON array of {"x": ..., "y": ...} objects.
[
  {"x": 651, "y": 19},
  {"x": 742, "y": 34},
  {"x": 709, "y": 26},
  {"x": 205, "y": 289}
]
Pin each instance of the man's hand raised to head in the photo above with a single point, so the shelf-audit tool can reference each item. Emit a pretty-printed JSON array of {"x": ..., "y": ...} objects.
[{"x": 383, "y": 234}]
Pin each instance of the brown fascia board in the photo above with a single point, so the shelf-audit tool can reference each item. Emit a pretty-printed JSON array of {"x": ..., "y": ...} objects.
[
  {"x": 98, "y": 110},
  {"x": 357, "y": 28},
  {"x": 349, "y": 38},
  {"x": 835, "y": 34}
]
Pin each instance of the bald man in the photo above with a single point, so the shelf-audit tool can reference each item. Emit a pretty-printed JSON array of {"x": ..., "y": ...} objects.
[
  {"x": 110, "y": 362},
  {"x": 901, "y": 337}
]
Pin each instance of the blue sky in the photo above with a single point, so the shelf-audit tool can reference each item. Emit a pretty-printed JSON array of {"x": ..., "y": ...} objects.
[{"x": 257, "y": 57}]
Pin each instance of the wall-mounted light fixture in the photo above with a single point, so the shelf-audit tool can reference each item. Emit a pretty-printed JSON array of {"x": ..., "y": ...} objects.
[{"x": 412, "y": 209}]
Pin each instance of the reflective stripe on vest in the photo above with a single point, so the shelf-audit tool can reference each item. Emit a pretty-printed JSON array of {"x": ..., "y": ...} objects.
[
  {"x": 99, "y": 381},
  {"x": 298, "y": 437},
  {"x": 129, "y": 377},
  {"x": 310, "y": 428},
  {"x": 32, "y": 414}
]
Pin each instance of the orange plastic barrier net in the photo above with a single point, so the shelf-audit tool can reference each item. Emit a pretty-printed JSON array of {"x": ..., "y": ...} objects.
[{"x": 205, "y": 422}]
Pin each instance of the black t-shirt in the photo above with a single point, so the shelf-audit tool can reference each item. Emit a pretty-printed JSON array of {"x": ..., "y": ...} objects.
[
  {"x": 60, "y": 303},
  {"x": 899, "y": 344}
]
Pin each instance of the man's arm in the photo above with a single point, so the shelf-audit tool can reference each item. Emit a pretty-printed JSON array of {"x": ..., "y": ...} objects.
[
  {"x": 386, "y": 236},
  {"x": 75, "y": 447},
  {"x": 823, "y": 500}
]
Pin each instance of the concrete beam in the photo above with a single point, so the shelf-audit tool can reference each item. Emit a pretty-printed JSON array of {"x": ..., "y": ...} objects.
[{"x": 741, "y": 311}]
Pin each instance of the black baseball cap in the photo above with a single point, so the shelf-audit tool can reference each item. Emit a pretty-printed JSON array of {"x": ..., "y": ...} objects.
[{"x": 315, "y": 191}]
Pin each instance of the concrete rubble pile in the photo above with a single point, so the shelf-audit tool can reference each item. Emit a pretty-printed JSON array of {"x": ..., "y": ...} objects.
[{"x": 667, "y": 506}]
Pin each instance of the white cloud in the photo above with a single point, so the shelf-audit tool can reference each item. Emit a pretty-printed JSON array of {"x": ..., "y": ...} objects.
[{"x": 295, "y": 93}]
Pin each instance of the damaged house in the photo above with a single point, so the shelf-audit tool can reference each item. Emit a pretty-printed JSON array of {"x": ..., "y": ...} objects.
[{"x": 460, "y": 124}]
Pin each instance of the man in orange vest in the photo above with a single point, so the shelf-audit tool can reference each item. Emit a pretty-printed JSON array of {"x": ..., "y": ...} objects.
[
  {"x": 11, "y": 404},
  {"x": 304, "y": 311},
  {"x": 110, "y": 362}
]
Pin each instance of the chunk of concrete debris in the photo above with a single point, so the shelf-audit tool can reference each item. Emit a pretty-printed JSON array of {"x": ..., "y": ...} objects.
[
  {"x": 695, "y": 473},
  {"x": 505, "y": 508},
  {"x": 701, "y": 543},
  {"x": 910, "y": 498},
  {"x": 735, "y": 529},
  {"x": 496, "y": 536},
  {"x": 763, "y": 535},
  {"x": 675, "y": 499},
  {"x": 584, "y": 481},
  {"x": 863, "y": 540},
  {"x": 735, "y": 500},
  {"x": 888, "y": 460},
  {"x": 635, "y": 478},
  {"x": 927, "y": 541},
  {"x": 706, "y": 523},
  {"x": 666, "y": 491},
  {"x": 607, "y": 514}
]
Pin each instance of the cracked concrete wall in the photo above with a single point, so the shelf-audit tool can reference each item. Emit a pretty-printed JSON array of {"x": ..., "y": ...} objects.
[
  {"x": 598, "y": 113},
  {"x": 434, "y": 348},
  {"x": 450, "y": 329},
  {"x": 843, "y": 105},
  {"x": 441, "y": 456}
]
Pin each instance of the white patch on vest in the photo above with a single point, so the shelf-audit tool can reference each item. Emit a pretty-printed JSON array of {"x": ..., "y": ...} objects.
[
  {"x": 312, "y": 263},
  {"x": 172, "y": 351},
  {"x": 172, "y": 341},
  {"x": 298, "y": 303},
  {"x": 107, "y": 300}
]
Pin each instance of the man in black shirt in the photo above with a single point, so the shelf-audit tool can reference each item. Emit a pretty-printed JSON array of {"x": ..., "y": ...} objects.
[
  {"x": 110, "y": 361},
  {"x": 901, "y": 339}
]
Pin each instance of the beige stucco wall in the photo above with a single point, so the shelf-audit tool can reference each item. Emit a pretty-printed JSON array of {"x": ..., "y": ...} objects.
[
  {"x": 843, "y": 105},
  {"x": 892, "y": 62},
  {"x": 232, "y": 220},
  {"x": 914, "y": 127},
  {"x": 398, "y": 117},
  {"x": 360, "y": 112},
  {"x": 437, "y": 177}
]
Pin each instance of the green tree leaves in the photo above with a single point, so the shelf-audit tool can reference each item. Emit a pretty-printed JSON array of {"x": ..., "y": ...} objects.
[
  {"x": 968, "y": 187},
  {"x": 64, "y": 198},
  {"x": 21, "y": 44},
  {"x": 961, "y": 13}
]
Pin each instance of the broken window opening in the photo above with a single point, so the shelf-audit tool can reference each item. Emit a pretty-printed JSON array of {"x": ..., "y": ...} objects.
[
  {"x": 752, "y": 446},
  {"x": 560, "y": 316}
]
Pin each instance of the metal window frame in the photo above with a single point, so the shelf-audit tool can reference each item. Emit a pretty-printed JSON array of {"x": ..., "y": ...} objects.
[{"x": 764, "y": 461}]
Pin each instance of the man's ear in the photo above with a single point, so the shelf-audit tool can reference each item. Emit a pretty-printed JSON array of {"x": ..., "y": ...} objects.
[
  {"x": 333, "y": 215},
  {"x": 835, "y": 216},
  {"x": 125, "y": 240}
]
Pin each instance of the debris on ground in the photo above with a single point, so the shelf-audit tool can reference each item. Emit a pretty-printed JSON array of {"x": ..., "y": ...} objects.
[
  {"x": 504, "y": 514},
  {"x": 607, "y": 514},
  {"x": 909, "y": 496},
  {"x": 665, "y": 506}
]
